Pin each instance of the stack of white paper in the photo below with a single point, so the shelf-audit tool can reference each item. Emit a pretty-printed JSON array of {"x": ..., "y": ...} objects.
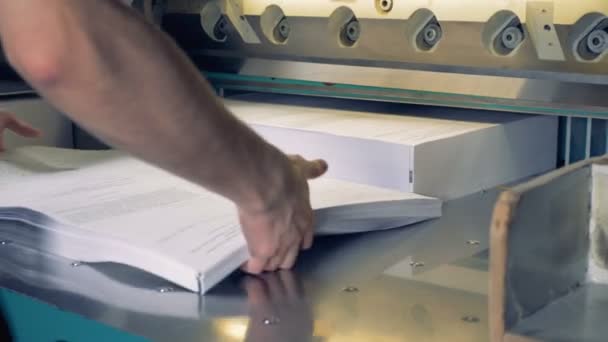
[
  {"x": 108, "y": 207},
  {"x": 439, "y": 152}
]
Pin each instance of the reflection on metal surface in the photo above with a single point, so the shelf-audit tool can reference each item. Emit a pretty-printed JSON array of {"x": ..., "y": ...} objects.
[
  {"x": 468, "y": 274},
  {"x": 271, "y": 321},
  {"x": 233, "y": 328}
]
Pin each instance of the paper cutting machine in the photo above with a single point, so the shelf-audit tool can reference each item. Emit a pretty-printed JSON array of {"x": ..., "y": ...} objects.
[{"x": 429, "y": 283}]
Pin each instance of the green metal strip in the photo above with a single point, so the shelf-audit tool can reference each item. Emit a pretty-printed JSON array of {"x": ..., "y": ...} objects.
[{"x": 326, "y": 90}]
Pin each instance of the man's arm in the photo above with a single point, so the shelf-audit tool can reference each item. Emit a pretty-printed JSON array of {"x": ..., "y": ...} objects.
[{"x": 127, "y": 83}]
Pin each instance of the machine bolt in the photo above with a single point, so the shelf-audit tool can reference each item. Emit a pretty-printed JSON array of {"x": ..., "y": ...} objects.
[
  {"x": 597, "y": 41},
  {"x": 220, "y": 28},
  {"x": 352, "y": 31},
  {"x": 350, "y": 289},
  {"x": 416, "y": 264},
  {"x": 283, "y": 28},
  {"x": 432, "y": 34},
  {"x": 470, "y": 319},
  {"x": 511, "y": 37}
]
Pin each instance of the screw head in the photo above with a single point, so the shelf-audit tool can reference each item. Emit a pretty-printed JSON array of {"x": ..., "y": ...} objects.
[
  {"x": 353, "y": 31},
  {"x": 350, "y": 289},
  {"x": 511, "y": 37},
  {"x": 166, "y": 289},
  {"x": 432, "y": 34},
  {"x": 5, "y": 242},
  {"x": 597, "y": 41},
  {"x": 220, "y": 28},
  {"x": 470, "y": 319},
  {"x": 416, "y": 264},
  {"x": 283, "y": 28},
  {"x": 76, "y": 263},
  {"x": 473, "y": 242}
]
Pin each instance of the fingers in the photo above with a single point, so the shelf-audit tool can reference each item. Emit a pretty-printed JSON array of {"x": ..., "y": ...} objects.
[
  {"x": 308, "y": 239},
  {"x": 314, "y": 169},
  {"x": 283, "y": 257},
  {"x": 276, "y": 237},
  {"x": 8, "y": 121},
  {"x": 310, "y": 168},
  {"x": 287, "y": 253},
  {"x": 274, "y": 262},
  {"x": 255, "y": 265},
  {"x": 290, "y": 257}
]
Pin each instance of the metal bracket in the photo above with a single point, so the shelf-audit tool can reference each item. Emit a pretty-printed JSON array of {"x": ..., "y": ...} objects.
[
  {"x": 503, "y": 33},
  {"x": 344, "y": 24},
  {"x": 539, "y": 22},
  {"x": 233, "y": 10},
  {"x": 425, "y": 30},
  {"x": 275, "y": 25},
  {"x": 589, "y": 38}
]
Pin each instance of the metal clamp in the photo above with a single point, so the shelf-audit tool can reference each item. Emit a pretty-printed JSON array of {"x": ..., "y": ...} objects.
[
  {"x": 275, "y": 25},
  {"x": 425, "y": 30},
  {"x": 215, "y": 17},
  {"x": 503, "y": 33},
  {"x": 589, "y": 38},
  {"x": 344, "y": 24}
]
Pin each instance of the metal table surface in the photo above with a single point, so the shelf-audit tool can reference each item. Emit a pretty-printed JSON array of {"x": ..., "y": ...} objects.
[{"x": 427, "y": 282}]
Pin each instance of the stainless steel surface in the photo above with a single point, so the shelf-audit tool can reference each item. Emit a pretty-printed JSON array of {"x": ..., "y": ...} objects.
[
  {"x": 350, "y": 288},
  {"x": 579, "y": 316}
]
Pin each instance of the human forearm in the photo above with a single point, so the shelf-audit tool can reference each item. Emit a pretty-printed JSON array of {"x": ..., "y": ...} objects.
[{"x": 128, "y": 84}]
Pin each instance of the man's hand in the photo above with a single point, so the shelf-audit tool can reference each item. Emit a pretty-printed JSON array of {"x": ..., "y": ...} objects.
[
  {"x": 276, "y": 234},
  {"x": 9, "y": 121}
]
